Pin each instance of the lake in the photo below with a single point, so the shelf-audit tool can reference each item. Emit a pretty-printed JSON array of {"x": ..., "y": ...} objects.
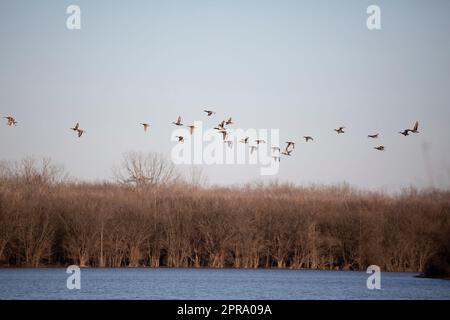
[{"x": 146, "y": 283}]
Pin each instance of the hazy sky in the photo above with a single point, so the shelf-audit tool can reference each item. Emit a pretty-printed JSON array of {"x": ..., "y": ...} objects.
[{"x": 304, "y": 67}]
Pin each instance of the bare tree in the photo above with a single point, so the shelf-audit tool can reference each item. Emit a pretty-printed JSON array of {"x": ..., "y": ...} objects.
[
  {"x": 34, "y": 233},
  {"x": 8, "y": 224},
  {"x": 256, "y": 226},
  {"x": 32, "y": 172},
  {"x": 140, "y": 169},
  {"x": 81, "y": 231}
]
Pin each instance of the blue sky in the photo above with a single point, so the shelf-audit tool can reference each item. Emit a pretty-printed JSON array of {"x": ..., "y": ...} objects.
[{"x": 304, "y": 67}]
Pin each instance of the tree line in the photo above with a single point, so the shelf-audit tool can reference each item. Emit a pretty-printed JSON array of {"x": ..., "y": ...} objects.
[{"x": 47, "y": 219}]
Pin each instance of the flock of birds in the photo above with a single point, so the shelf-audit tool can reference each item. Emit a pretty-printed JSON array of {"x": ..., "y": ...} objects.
[{"x": 222, "y": 128}]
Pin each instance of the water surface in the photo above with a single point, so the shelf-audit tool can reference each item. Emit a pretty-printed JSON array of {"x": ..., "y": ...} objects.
[{"x": 214, "y": 284}]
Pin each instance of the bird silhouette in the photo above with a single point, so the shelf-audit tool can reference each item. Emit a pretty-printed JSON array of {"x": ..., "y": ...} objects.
[
  {"x": 146, "y": 126},
  {"x": 340, "y": 130},
  {"x": 373, "y": 136},
  {"x": 258, "y": 141},
  {"x": 191, "y": 129},
  {"x": 416, "y": 127},
  {"x": 379, "y": 148},
  {"x": 11, "y": 121},
  {"x": 180, "y": 138},
  {"x": 80, "y": 132},
  {"x": 224, "y": 134},
  {"x": 290, "y": 144},
  {"x": 307, "y": 138},
  {"x": 405, "y": 132},
  {"x": 220, "y": 126},
  {"x": 287, "y": 152},
  {"x": 76, "y": 127},
  {"x": 244, "y": 140},
  {"x": 229, "y": 121},
  {"x": 209, "y": 113},
  {"x": 178, "y": 123}
]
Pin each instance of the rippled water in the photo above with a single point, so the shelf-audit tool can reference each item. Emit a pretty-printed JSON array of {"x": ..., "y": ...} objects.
[{"x": 215, "y": 284}]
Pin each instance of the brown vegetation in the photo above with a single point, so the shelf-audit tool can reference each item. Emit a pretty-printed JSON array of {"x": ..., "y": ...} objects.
[{"x": 46, "y": 220}]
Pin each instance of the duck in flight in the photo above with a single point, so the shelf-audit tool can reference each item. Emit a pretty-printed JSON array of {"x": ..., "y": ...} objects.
[
  {"x": 373, "y": 136},
  {"x": 220, "y": 126},
  {"x": 180, "y": 139},
  {"x": 224, "y": 134},
  {"x": 191, "y": 129},
  {"x": 146, "y": 126},
  {"x": 340, "y": 130},
  {"x": 258, "y": 141},
  {"x": 379, "y": 148},
  {"x": 244, "y": 140},
  {"x": 307, "y": 138},
  {"x": 209, "y": 113},
  {"x": 11, "y": 121},
  {"x": 287, "y": 152},
  {"x": 80, "y": 132},
  {"x": 178, "y": 123},
  {"x": 416, "y": 127},
  {"x": 229, "y": 121},
  {"x": 77, "y": 129},
  {"x": 290, "y": 144}
]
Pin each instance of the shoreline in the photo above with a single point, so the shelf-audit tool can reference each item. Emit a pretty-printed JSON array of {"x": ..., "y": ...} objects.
[
  {"x": 418, "y": 274},
  {"x": 203, "y": 268}
]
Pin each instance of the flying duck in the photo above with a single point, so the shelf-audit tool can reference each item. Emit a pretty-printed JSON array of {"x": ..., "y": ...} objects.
[
  {"x": 146, "y": 126},
  {"x": 178, "y": 123},
  {"x": 209, "y": 113},
  {"x": 340, "y": 130},
  {"x": 11, "y": 121}
]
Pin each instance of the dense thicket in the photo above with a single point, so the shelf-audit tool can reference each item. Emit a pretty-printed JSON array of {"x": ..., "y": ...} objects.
[{"x": 52, "y": 222}]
